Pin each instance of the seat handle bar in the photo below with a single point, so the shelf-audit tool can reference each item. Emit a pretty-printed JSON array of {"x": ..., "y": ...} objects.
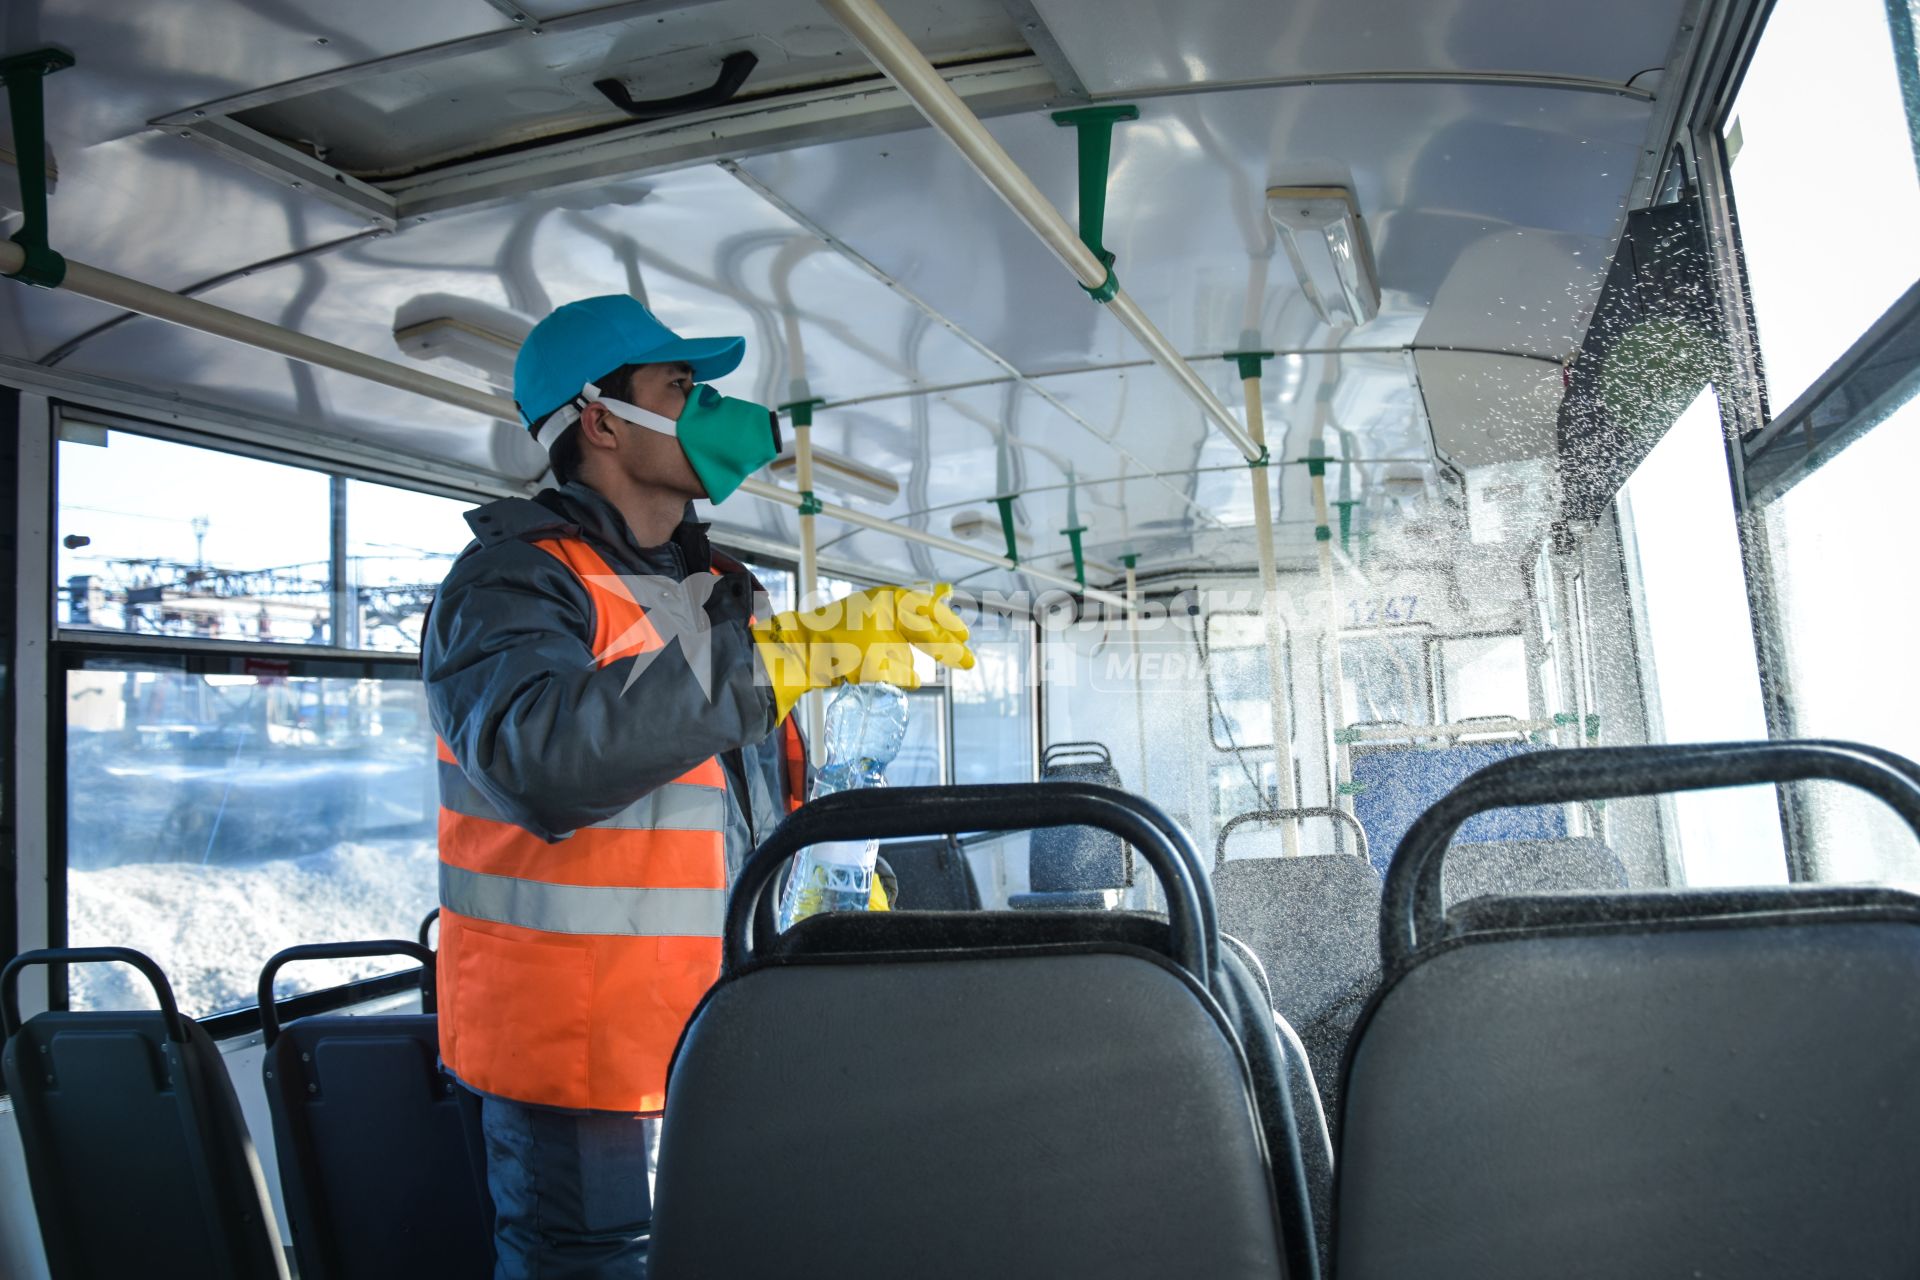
[
  {"x": 1288, "y": 815},
  {"x": 883, "y": 813},
  {"x": 10, "y": 982},
  {"x": 270, "y": 1013},
  {"x": 1059, "y": 751},
  {"x": 1411, "y": 904}
]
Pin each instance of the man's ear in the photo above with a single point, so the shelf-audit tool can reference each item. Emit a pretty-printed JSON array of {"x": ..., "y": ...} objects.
[{"x": 596, "y": 427}]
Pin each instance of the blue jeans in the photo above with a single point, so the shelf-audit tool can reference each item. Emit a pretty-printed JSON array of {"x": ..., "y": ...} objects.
[{"x": 570, "y": 1193}]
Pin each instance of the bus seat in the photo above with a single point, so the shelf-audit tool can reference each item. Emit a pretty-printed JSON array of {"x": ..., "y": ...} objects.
[
  {"x": 1680, "y": 1083},
  {"x": 1314, "y": 923},
  {"x": 1684, "y": 1082},
  {"x": 1007, "y": 1094},
  {"x": 382, "y": 1164},
  {"x": 1076, "y": 868},
  {"x": 933, "y": 875},
  {"x": 1019, "y": 1094},
  {"x": 1577, "y": 864},
  {"x": 138, "y": 1157},
  {"x": 1395, "y": 785}
]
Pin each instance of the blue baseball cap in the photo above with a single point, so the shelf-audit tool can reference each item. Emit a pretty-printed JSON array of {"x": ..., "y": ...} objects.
[{"x": 591, "y": 338}]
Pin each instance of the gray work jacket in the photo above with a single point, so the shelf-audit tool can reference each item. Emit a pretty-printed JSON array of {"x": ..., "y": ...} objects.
[{"x": 553, "y": 739}]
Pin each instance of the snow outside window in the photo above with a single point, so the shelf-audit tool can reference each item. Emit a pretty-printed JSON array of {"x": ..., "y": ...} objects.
[{"x": 213, "y": 819}]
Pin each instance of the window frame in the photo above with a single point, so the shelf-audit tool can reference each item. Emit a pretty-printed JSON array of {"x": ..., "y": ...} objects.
[
  {"x": 1036, "y": 712},
  {"x": 70, "y": 653},
  {"x": 1216, "y": 705},
  {"x": 67, "y": 648},
  {"x": 1704, "y": 107}
]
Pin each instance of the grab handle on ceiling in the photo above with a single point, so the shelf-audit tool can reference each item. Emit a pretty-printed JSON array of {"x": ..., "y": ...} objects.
[
  {"x": 22, "y": 74},
  {"x": 734, "y": 71}
]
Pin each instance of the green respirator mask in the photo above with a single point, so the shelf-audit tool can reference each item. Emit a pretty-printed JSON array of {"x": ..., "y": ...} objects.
[{"x": 725, "y": 440}]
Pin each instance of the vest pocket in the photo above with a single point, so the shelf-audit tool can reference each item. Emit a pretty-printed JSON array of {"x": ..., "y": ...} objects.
[{"x": 522, "y": 1017}]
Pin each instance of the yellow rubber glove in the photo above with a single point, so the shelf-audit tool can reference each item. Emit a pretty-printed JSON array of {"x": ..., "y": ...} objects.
[{"x": 864, "y": 638}]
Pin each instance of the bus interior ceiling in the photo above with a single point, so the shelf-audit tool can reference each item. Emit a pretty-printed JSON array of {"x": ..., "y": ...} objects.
[{"x": 1427, "y": 554}]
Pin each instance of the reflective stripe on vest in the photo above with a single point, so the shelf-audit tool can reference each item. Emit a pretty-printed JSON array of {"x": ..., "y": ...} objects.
[
  {"x": 568, "y": 908},
  {"x": 569, "y": 968}
]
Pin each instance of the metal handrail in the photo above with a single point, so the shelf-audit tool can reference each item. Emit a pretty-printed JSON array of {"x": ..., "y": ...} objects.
[
  {"x": 1291, "y": 815},
  {"x": 890, "y": 49},
  {"x": 929, "y": 811},
  {"x": 270, "y": 1014},
  {"x": 10, "y": 982}
]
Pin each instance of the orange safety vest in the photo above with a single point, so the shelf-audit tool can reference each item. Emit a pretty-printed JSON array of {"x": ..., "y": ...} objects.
[{"x": 568, "y": 969}]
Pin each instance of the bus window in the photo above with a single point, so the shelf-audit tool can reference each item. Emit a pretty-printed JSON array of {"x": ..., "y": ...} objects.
[
  {"x": 219, "y": 809},
  {"x": 1822, "y": 169},
  {"x": 1483, "y": 676},
  {"x": 1701, "y": 681},
  {"x": 1851, "y": 619},
  {"x": 159, "y": 538},
  {"x": 992, "y": 704},
  {"x": 400, "y": 544},
  {"x": 1240, "y": 678},
  {"x": 922, "y": 761},
  {"x": 1384, "y": 678}
]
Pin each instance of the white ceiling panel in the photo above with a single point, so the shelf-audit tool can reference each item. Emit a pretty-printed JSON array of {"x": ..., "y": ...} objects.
[
  {"x": 1121, "y": 46},
  {"x": 509, "y": 93},
  {"x": 1437, "y": 170},
  {"x": 140, "y": 59}
]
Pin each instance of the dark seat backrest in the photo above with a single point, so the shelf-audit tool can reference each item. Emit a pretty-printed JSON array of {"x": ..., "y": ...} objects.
[
  {"x": 933, "y": 874},
  {"x": 1688, "y": 1083},
  {"x": 138, "y": 1157},
  {"x": 1314, "y": 923},
  {"x": 379, "y": 1151},
  {"x": 1574, "y": 865},
  {"x": 1078, "y": 859},
  {"x": 1084, "y": 1111}
]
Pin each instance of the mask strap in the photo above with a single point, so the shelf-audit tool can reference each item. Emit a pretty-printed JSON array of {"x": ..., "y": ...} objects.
[
  {"x": 641, "y": 417},
  {"x": 569, "y": 413}
]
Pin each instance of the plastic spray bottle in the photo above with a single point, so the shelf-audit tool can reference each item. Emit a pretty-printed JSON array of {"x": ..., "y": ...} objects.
[{"x": 866, "y": 723}]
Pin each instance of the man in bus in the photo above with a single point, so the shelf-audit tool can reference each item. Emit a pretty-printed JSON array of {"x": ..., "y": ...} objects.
[{"x": 614, "y": 738}]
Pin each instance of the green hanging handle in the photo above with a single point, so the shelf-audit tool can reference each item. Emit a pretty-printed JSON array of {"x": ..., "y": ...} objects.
[
  {"x": 23, "y": 74},
  {"x": 1095, "y": 127},
  {"x": 1006, "y": 526},
  {"x": 1079, "y": 560},
  {"x": 1346, "y": 506}
]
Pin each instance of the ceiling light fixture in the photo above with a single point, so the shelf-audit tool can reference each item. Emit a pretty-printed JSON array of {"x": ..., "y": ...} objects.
[
  {"x": 464, "y": 343},
  {"x": 978, "y": 526},
  {"x": 838, "y": 474},
  {"x": 1327, "y": 243}
]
